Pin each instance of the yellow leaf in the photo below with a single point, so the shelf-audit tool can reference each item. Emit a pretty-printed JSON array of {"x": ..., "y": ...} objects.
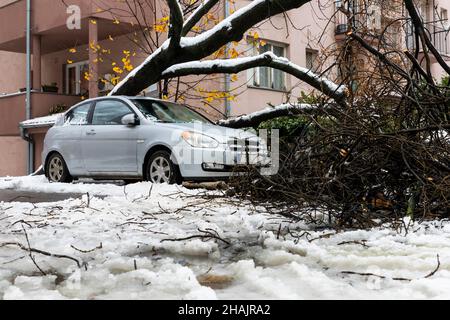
[
  {"x": 256, "y": 35},
  {"x": 233, "y": 53},
  {"x": 72, "y": 50},
  {"x": 69, "y": 61},
  {"x": 116, "y": 21},
  {"x": 262, "y": 43},
  {"x": 234, "y": 77},
  {"x": 111, "y": 38},
  {"x": 93, "y": 21},
  {"x": 115, "y": 80},
  {"x": 117, "y": 70}
]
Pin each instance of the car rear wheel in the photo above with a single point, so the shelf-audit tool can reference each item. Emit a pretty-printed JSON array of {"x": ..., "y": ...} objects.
[
  {"x": 56, "y": 169},
  {"x": 160, "y": 169}
]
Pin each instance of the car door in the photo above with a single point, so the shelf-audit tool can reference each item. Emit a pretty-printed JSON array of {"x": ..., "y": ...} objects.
[
  {"x": 69, "y": 137},
  {"x": 108, "y": 146}
]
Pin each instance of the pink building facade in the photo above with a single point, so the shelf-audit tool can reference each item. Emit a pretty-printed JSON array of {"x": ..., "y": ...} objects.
[{"x": 68, "y": 64}]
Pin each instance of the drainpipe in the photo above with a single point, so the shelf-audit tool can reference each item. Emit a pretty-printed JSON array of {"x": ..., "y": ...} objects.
[
  {"x": 227, "y": 76},
  {"x": 30, "y": 153}
]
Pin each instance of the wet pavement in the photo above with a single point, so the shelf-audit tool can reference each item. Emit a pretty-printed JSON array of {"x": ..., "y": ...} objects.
[{"x": 35, "y": 197}]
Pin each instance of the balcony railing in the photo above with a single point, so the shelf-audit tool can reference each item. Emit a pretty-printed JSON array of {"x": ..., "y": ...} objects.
[{"x": 438, "y": 34}]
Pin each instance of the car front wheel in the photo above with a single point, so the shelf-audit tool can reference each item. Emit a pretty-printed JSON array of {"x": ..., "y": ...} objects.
[
  {"x": 56, "y": 169},
  {"x": 160, "y": 169}
]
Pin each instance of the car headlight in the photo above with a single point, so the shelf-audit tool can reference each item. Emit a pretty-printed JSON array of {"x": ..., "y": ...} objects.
[{"x": 199, "y": 140}]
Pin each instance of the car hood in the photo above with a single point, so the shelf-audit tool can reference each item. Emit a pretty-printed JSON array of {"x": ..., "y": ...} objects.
[{"x": 221, "y": 134}]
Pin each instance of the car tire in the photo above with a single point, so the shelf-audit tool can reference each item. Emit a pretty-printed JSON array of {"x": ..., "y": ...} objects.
[
  {"x": 161, "y": 169},
  {"x": 56, "y": 169}
]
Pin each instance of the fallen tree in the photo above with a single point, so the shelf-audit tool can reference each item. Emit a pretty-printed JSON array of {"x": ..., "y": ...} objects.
[
  {"x": 180, "y": 55},
  {"x": 373, "y": 152}
]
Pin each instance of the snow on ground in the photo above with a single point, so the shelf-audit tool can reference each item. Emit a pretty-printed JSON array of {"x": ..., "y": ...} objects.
[{"x": 119, "y": 241}]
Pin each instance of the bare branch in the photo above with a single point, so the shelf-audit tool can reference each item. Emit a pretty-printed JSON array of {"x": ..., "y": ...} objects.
[
  {"x": 197, "y": 15},
  {"x": 418, "y": 25}
]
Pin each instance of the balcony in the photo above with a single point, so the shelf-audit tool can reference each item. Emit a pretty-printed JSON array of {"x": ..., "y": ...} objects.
[
  {"x": 49, "y": 21},
  {"x": 12, "y": 108},
  {"x": 438, "y": 34}
]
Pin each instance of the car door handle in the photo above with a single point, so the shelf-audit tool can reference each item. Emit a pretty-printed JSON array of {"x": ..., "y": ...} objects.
[{"x": 90, "y": 133}]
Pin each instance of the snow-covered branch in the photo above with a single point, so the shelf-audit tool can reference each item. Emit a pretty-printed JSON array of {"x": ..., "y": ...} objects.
[
  {"x": 176, "y": 22},
  {"x": 254, "y": 119},
  {"x": 199, "y": 47},
  {"x": 268, "y": 59},
  {"x": 195, "y": 17}
]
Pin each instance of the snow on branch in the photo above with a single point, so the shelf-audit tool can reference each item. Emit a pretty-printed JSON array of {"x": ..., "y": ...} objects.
[
  {"x": 195, "y": 17},
  {"x": 268, "y": 59},
  {"x": 176, "y": 22},
  {"x": 254, "y": 119},
  {"x": 195, "y": 48}
]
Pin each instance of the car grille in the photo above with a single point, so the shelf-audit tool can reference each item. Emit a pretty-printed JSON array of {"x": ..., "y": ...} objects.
[{"x": 245, "y": 145}]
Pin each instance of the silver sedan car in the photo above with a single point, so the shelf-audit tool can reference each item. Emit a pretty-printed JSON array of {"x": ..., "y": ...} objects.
[{"x": 140, "y": 138}]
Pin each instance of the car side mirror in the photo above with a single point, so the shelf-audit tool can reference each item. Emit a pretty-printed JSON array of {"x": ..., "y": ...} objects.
[{"x": 130, "y": 120}]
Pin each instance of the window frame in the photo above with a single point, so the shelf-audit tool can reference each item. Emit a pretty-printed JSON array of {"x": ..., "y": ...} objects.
[
  {"x": 94, "y": 105},
  {"x": 444, "y": 15},
  {"x": 77, "y": 66},
  {"x": 315, "y": 57},
  {"x": 254, "y": 73}
]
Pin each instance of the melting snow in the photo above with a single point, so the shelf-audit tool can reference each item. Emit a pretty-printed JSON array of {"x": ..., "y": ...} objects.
[{"x": 121, "y": 240}]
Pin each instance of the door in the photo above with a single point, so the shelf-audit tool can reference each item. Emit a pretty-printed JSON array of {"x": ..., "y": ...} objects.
[
  {"x": 76, "y": 82},
  {"x": 70, "y": 136},
  {"x": 108, "y": 146}
]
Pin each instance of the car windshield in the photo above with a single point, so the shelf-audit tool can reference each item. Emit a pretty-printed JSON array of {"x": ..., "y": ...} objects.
[{"x": 164, "y": 111}]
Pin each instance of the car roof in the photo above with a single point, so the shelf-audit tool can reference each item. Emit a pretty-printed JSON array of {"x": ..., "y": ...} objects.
[{"x": 120, "y": 97}]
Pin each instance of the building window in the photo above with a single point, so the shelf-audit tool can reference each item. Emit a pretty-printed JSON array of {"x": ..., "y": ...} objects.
[
  {"x": 76, "y": 82},
  {"x": 444, "y": 16},
  {"x": 311, "y": 59},
  {"x": 265, "y": 77}
]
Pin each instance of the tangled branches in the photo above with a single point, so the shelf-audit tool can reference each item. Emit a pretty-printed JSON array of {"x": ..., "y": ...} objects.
[{"x": 359, "y": 165}]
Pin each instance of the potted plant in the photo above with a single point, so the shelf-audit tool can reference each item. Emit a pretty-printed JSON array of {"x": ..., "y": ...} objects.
[
  {"x": 59, "y": 108},
  {"x": 53, "y": 87}
]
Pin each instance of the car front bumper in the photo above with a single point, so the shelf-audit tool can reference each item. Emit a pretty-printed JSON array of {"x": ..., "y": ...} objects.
[{"x": 219, "y": 162}]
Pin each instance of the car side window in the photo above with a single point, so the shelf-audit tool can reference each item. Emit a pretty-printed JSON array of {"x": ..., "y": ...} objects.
[
  {"x": 78, "y": 116},
  {"x": 110, "y": 112}
]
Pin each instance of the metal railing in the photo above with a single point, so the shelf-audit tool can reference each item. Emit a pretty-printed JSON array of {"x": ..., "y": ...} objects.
[{"x": 438, "y": 34}]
